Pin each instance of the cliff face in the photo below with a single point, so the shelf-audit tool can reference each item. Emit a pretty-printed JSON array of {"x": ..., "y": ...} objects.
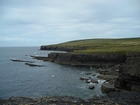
[
  {"x": 92, "y": 60},
  {"x": 129, "y": 77},
  {"x": 58, "y": 48},
  {"x": 130, "y": 73}
]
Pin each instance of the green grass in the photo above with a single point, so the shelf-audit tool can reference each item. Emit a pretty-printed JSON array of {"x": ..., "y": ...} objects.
[
  {"x": 125, "y": 45},
  {"x": 122, "y": 50}
]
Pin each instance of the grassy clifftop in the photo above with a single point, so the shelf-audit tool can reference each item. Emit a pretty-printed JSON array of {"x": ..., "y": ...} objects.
[{"x": 125, "y": 45}]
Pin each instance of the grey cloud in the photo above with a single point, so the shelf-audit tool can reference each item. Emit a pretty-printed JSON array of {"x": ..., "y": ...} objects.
[{"x": 43, "y": 21}]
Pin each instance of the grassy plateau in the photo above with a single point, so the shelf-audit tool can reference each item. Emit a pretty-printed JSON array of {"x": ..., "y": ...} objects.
[{"x": 90, "y": 46}]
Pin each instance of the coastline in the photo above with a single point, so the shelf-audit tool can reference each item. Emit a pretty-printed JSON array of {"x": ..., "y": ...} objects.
[
  {"x": 90, "y": 60},
  {"x": 117, "y": 98},
  {"x": 128, "y": 77},
  {"x": 130, "y": 61}
]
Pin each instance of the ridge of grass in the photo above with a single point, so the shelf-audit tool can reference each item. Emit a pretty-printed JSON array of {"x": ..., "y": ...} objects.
[{"x": 89, "y": 46}]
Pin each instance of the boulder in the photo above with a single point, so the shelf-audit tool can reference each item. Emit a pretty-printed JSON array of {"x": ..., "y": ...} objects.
[
  {"x": 82, "y": 78},
  {"x": 94, "y": 81},
  {"x": 88, "y": 81},
  {"x": 93, "y": 74},
  {"x": 91, "y": 87},
  {"x": 107, "y": 88},
  {"x": 88, "y": 73}
]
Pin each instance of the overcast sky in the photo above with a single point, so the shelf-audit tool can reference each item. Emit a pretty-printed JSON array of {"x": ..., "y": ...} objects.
[{"x": 43, "y": 22}]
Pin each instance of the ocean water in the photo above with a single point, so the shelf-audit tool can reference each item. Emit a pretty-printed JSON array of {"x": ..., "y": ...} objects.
[{"x": 18, "y": 79}]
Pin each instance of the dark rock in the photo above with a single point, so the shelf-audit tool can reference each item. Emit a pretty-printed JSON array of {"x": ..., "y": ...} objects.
[
  {"x": 128, "y": 82},
  {"x": 91, "y": 87},
  {"x": 88, "y": 81},
  {"x": 126, "y": 97},
  {"x": 129, "y": 78},
  {"x": 88, "y": 73},
  {"x": 33, "y": 65},
  {"x": 16, "y": 60},
  {"x": 107, "y": 88},
  {"x": 94, "y": 81},
  {"x": 40, "y": 58},
  {"x": 109, "y": 71},
  {"x": 93, "y": 74},
  {"x": 107, "y": 77},
  {"x": 58, "y": 48},
  {"x": 82, "y": 78},
  {"x": 115, "y": 98},
  {"x": 89, "y": 60},
  {"x": 117, "y": 70}
]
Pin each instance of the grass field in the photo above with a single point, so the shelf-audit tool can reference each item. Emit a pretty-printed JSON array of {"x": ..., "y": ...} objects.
[{"x": 125, "y": 45}]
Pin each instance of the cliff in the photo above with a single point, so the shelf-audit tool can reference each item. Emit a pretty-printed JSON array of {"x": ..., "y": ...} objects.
[
  {"x": 129, "y": 78},
  {"x": 103, "y": 53},
  {"x": 90, "y": 60},
  {"x": 130, "y": 73}
]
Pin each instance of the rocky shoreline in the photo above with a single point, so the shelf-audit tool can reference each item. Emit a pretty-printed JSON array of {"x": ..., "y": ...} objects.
[
  {"x": 29, "y": 63},
  {"x": 116, "y": 98},
  {"x": 128, "y": 70},
  {"x": 121, "y": 72}
]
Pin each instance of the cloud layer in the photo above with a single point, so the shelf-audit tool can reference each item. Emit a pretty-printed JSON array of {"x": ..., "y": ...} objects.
[{"x": 38, "y": 22}]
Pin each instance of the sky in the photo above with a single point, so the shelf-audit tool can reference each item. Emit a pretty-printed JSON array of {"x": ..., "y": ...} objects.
[{"x": 44, "y": 22}]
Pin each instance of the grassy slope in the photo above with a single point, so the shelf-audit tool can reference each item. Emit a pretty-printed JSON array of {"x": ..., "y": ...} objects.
[{"x": 125, "y": 45}]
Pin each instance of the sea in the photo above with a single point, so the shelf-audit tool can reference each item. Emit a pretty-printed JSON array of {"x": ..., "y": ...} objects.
[{"x": 51, "y": 79}]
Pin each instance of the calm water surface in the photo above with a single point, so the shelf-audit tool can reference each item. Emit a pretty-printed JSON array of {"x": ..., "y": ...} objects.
[{"x": 18, "y": 79}]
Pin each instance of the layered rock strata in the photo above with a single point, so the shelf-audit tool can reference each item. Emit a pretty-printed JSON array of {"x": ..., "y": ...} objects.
[
  {"x": 130, "y": 74},
  {"x": 90, "y": 60}
]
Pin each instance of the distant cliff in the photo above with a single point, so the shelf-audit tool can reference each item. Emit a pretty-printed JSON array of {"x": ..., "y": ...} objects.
[{"x": 61, "y": 48}]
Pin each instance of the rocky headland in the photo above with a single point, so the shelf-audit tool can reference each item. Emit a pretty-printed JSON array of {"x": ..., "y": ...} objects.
[
  {"x": 125, "y": 72},
  {"x": 119, "y": 70}
]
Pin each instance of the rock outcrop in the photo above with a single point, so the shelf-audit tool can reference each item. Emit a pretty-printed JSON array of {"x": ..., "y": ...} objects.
[
  {"x": 91, "y": 87},
  {"x": 129, "y": 78},
  {"x": 109, "y": 78},
  {"x": 107, "y": 87},
  {"x": 17, "y": 60},
  {"x": 128, "y": 70},
  {"x": 33, "y": 65},
  {"x": 90, "y": 60}
]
